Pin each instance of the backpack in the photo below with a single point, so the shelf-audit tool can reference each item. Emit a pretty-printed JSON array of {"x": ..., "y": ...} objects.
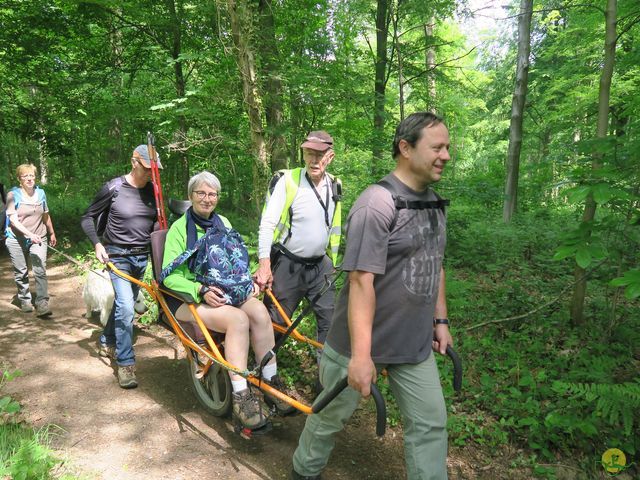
[
  {"x": 221, "y": 260},
  {"x": 103, "y": 218},
  {"x": 17, "y": 199},
  {"x": 400, "y": 203}
]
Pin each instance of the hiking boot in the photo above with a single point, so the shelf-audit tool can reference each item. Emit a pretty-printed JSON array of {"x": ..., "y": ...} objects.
[
  {"x": 282, "y": 407},
  {"x": 42, "y": 309},
  {"x": 25, "y": 307},
  {"x": 107, "y": 351},
  {"x": 127, "y": 376},
  {"x": 296, "y": 476},
  {"x": 249, "y": 411}
]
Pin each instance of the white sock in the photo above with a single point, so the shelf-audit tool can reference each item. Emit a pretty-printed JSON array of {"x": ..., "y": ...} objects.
[
  {"x": 238, "y": 385},
  {"x": 269, "y": 370}
]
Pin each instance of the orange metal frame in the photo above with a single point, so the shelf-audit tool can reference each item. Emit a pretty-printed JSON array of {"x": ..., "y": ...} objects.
[{"x": 214, "y": 354}]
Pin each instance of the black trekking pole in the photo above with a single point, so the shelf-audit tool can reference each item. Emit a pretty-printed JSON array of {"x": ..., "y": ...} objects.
[{"x": 381, "y": 408}]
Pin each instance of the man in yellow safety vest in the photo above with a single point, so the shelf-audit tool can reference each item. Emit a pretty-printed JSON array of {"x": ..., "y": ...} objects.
[{"x": 300, "y": 232}]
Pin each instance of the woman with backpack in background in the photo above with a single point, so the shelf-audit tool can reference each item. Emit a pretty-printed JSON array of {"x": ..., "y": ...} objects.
[
  {"x": 28, "y": 231},
  {"x": 243, "y": 320}
]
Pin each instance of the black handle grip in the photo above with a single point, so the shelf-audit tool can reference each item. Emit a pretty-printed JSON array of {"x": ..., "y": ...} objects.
[
  {"x": 457, "y": 368},
  {"x": 381, "y": 408}
]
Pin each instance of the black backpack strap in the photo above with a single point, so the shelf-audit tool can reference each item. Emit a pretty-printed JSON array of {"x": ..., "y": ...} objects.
[
  {"x": 274, "y": 179},
  {"x": 440, "y": 203},
  {"x": 336, "y": 189},
  {"x": 103, "y": 217},
  {"x": 391, "y": 189},
  {"x": 401, "y": 203}
]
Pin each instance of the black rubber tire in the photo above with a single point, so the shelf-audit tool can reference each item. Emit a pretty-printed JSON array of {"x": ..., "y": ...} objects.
[{"x": 213, "y": 391}]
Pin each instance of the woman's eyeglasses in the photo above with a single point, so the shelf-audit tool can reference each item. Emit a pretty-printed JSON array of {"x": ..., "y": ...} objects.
[
  {"x": 200, "y": 195},
  {"x": 26, "y": 176}
]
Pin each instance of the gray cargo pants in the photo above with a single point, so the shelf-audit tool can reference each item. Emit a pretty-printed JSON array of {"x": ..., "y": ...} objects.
[{"x": 23, "y": 253}]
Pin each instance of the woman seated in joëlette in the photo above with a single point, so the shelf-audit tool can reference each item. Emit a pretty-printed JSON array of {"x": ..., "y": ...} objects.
[{"x": 244, "y": 324}]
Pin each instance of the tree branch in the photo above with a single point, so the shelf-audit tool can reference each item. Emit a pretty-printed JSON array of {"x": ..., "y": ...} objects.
[
  {"x": 551, "y": 302},
  {"x": 440, "y": 64}
]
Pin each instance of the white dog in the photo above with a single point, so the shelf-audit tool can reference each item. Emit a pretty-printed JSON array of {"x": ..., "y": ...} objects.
[{"x": 98, "y": 296}]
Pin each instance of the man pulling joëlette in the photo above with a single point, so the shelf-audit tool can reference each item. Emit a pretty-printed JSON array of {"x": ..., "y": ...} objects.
[
  {"x": 392, "y": 311},
  {"x": 125, "y": 208},
  {"x": 300, "y": 232}
]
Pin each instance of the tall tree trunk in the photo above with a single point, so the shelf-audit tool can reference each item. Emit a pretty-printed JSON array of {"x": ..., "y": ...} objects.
[
  {"x": 396, "y": 45},
  {"x": 431, "y": 66},
  {"x": 580, "y": 289},
  {"x": 382, "y": 32},
  {"x": 114, "y": 150},
  {"x": 297, "y": 129},
  {"x": 43, "y": 156},
  {"x": 240, "y": 17},
  {"x": 517, "y": 110},
  {"x": 273, "y": 91},
  {"x": 176, "y": 11}
]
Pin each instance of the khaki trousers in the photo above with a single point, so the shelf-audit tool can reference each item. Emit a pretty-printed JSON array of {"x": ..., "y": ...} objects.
[{"x": 417, "y": 390}]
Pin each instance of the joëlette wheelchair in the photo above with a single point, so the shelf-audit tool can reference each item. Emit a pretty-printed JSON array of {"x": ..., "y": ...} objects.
[{"x": 207, "y": 366}]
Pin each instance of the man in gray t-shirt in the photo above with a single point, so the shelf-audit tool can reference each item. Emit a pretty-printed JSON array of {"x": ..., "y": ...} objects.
[{"x": 386, "y": 312}]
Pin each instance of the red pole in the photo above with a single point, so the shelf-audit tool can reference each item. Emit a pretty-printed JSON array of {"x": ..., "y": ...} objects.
[{"x": 155, "y": 179}]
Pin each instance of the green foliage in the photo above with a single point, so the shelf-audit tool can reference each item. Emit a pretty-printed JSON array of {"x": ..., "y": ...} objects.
[
  {"x": 616, "y": 404},
  {"x": 512, "y": 370},
  {"x": 151, "y": 315},
  {"x": 630, "y": 280},
  {"x": 31, "y": 459},
  {"x": 24, "y": 452},
  {"x": 9, "y": 408},
  {"x": 468, "y": 428},
  {"x": 542, "y": 402}
]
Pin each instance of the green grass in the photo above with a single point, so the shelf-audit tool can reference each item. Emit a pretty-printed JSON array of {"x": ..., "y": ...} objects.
[{"x": 25, "y": 452}]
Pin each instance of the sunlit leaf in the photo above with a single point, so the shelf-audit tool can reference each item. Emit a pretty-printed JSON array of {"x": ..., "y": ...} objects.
[
  {"x": 564, "y": 252},
  {"x": 578, "y": 194},
  {"x": 583, "y": 257}
]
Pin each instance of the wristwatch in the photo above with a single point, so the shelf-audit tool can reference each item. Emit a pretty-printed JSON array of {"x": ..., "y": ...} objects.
[
  {"x": 441, "y": 321},
  {"x": 203, "y": 289}
]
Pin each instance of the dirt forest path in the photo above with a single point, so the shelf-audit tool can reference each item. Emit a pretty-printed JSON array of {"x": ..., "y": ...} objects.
[{"x": 157, "y": 431}]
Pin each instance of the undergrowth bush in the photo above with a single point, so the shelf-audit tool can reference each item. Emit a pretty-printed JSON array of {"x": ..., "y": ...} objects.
[
  {"x": 24, "y": 452},
  {"x": 537, "y": 381}
]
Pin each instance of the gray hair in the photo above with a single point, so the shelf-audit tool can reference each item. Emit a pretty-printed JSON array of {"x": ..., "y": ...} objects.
[{"x": 203, "y": 177}]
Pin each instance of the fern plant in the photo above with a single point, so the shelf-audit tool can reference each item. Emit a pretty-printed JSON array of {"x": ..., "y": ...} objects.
[{"x": 613, "y": 402}]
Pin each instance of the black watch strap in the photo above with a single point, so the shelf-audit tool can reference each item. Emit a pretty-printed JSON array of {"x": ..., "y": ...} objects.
[{"x": 441, "y": 321}]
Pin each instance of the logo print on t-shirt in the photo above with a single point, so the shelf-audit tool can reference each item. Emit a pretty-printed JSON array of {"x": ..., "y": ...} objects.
[{"x": 421, "y": 273}]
